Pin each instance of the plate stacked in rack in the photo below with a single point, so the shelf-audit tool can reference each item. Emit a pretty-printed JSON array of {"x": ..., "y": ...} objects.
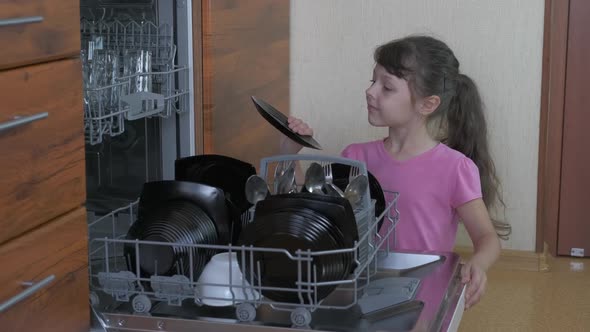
[
  {"x": 306, "y": 222},
  {"x": 177, "y": 216},
  {"x": 175, "y": 224},
  {"x": 226, "y": 173}
]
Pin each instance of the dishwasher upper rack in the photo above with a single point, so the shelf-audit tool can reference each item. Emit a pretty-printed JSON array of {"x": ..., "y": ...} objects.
[
  {"x": 112, "y": 274},
  {"x": 116, "y": 91}
]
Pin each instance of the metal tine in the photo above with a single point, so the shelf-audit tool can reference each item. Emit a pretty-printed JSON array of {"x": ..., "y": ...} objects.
[
  {"x": 327, "y": 166},
  {"x": 245, "y": 218},
  {"x": 330, "y": 186},
  {"x": 279, "y": 170},
  {"x": 354, "y": 172}
]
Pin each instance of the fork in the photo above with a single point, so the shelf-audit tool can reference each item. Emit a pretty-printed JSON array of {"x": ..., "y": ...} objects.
[
  {"x": 354, "y": 172},
  {"x": 329, "y": 180},
  {"x": 245, "y": 218}
]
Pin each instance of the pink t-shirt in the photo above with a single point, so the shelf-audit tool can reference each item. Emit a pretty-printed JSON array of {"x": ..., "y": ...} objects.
[{"x": 431, "y": 186}]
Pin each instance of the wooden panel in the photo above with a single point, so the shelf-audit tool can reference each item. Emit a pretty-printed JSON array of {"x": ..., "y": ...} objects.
[
  {"x": 552, "y": 130},
  {"x": 245, "y": 53},
  {"x": 198, "y": 76},
  {"x": 58, "y": 248},
  {"x": 43, "y": 171},
  {"x": 574, "y": 216},
  {"x": 57, "y": 36}
]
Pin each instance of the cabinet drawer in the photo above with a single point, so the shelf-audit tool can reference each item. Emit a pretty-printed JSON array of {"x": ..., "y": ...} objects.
[
  {"x": 33, "y": 31},
  {"x": 57, "y": 249},
  {"x": 42, "y": 166}
]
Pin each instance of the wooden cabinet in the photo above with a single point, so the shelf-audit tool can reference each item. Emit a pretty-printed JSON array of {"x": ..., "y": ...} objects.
[
  {"x": 43, "y": 169},
  {"x": 43, "y": 242},
  {"x": 33, "y": 31},
  {"x": 59, "y": 250}
]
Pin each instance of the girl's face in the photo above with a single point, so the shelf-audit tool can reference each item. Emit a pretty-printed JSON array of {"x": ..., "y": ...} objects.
[{"x": 389, "y": 100}]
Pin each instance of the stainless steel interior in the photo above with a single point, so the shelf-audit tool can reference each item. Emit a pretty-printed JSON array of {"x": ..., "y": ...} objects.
[{"x": 140, "y": 147}]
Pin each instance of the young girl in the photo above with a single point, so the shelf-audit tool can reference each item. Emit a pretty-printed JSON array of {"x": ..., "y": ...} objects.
[{"x": 419, "y": 93}]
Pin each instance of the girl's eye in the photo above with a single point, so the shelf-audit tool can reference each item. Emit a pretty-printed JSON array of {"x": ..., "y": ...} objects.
[
  {"x": 386, "y": 88},
  {"x": 372, "y": 81}
]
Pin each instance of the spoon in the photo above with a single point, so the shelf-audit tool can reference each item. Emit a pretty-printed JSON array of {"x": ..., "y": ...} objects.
[
  {"x": 315, "y": 178},
  {"x": 356, "y": 189},
  {"x": 256, "y": 189}
]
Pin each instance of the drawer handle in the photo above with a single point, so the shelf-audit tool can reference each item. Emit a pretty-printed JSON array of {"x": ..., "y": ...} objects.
[
  {"x": 20, "y": 121},
  {"x": 20, "y": 20},
  {"x": 26, "y": 293}
]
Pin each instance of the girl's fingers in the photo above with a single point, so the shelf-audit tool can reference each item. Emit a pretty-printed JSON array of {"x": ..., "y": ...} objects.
[
  {"x": 475, "y": 296},
  {"x": 466, "y": 273},
  {"x": 301, "y": 128}
]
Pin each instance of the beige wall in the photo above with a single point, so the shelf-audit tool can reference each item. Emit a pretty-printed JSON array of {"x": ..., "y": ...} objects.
[{"x": 499, "y": 44}]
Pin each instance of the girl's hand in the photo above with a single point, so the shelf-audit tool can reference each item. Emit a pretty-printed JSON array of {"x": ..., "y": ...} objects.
[
  {"x": 297, "y": 126},
  {"x": 473, "y": 275}
]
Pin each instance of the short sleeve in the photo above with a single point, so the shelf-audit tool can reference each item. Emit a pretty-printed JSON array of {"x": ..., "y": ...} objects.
[
  {"x": 350, "y": 152},
  {"x": 467, "y": 183}
]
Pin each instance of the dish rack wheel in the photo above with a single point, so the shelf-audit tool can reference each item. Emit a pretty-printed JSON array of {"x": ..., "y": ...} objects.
[
  {"x": 141, "y": 304},
  {"x": 300, "y": 317},
  {"x": 245, "y": 312}
]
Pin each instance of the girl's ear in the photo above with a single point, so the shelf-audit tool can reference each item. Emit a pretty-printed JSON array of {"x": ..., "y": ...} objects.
[{"x": 429, "y": 104}]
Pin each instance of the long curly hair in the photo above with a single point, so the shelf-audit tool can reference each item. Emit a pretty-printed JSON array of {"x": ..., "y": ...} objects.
[{"x": 431, "y": 68}]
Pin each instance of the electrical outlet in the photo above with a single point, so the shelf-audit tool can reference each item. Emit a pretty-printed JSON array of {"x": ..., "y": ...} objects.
[{"x": 577, "y": 252}]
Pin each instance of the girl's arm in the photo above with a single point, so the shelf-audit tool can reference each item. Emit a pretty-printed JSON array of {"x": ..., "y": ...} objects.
[{"x": 486, "y": 244}]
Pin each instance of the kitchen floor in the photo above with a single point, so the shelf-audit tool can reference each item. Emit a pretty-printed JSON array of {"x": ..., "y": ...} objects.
[{"x": 557, "y": 300}]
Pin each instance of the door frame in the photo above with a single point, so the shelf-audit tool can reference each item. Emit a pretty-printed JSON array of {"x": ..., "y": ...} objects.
[{"x": 553, "y": 87}]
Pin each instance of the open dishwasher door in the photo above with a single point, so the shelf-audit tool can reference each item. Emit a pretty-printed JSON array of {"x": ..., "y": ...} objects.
[{"x": 138, "y": 95}]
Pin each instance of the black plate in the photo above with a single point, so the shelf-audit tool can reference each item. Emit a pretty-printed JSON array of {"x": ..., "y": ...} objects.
[
  {"x": 341, "y": 263},
  {"x": 279, "y": 121},
  {"x": 226, "y": 173},
  {"x": 340, "y": 174},
  {"x": 337, "y": 209},
  {"x": 210, "y": 199},
  {"x": 290, "y": 231},
  {"x": 179, "y": 222}
]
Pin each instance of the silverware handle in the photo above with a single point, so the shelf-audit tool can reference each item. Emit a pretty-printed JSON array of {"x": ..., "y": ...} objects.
[
  {"x": 21, "y": 121},
  {"x": 20, "y": 20},
  {"x": 26, "y": 293}
]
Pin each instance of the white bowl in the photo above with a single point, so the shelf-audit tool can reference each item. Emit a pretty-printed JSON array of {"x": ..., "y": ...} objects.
[{"x": 215, "y": 287}]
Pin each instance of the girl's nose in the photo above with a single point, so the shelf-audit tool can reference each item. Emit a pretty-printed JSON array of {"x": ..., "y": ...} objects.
[{"x": 369, "y": 93}]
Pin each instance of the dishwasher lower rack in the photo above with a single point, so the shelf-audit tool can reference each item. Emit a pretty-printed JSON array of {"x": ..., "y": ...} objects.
[{"x": 120, "y": 279}]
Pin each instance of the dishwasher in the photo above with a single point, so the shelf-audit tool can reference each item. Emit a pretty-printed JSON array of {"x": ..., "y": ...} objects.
[{"x": 138, "y": 120}]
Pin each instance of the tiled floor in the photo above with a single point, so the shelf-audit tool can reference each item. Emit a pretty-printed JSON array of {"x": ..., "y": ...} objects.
[{"x": 558, "y": 300}]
